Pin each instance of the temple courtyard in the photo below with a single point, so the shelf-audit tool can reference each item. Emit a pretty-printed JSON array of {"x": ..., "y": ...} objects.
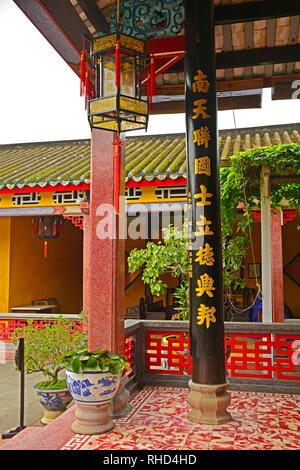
[{"x": 158, "y": 421}]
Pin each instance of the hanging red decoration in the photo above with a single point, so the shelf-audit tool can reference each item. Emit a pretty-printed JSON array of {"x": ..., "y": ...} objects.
[
  {"x": 118, "y": 65},
  {"x": 87, "y": 88},
  {"x": 117, "y": 160},
  {"x": 152, "y": 76},
  {"x": 45, "y": 227},
  {"x": 82, "y": 72},
  {"x": 149, "y": 94},
  {"x": 151, "y": 83}
]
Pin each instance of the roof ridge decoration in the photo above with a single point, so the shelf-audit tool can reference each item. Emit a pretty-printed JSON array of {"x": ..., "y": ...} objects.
[{"x": 146, "y": 19}]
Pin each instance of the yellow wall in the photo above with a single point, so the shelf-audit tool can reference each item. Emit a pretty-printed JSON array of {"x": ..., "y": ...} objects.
[
  {"x": 137, "y": 289},
  {"x": 59, "y": 275},
  {"x": 5, "y": 224}
]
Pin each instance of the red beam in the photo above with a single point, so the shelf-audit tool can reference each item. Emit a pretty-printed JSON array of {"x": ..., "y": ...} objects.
[
  {"x": 46, "y": 189},
  {"x": 169, "y": 46},
  {"x": 166, "y": 52},
  {"x": 181, "y": 181}
]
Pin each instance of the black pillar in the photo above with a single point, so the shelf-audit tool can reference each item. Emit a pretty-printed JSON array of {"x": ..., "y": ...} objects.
[{"x": 205, "y": 245}]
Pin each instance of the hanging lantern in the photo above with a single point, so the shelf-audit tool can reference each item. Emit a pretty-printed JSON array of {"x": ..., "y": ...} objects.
[
  {"x": 47, "y": 227},
  {"x": 118, "y": 61}
]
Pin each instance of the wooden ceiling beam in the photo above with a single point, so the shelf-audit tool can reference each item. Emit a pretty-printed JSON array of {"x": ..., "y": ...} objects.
[
  {"x": 59, "y": 23},
  {"x": 94, "y": 15},
  {"x": 258, "y": 56},
  {"x": 224, "y": 103},
  {"x": 254, "y": 11}
]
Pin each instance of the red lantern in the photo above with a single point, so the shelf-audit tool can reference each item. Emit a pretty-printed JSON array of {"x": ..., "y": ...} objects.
[{"x": 45, "y": 227}]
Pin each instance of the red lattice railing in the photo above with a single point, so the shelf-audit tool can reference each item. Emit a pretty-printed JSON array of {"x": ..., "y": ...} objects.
[
  {"x": 7, "y": 326},
  {"x": 250, "y": 354},
  {"x": 167, "y": 353},
  {"x": 129, "y": 352}
]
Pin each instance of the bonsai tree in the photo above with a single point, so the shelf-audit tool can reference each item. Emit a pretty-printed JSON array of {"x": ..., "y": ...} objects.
[{"x": 44, "y": 349}]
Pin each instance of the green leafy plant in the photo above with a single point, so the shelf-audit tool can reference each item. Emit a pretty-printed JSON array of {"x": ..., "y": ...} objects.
[
  {"x": 181, "y": 295},
  {"x": 239, "y": 183},
  {"x": 82, "y": 360},
  {"x": 44, "y": 348},
  {"x": 157, "y": 259}
]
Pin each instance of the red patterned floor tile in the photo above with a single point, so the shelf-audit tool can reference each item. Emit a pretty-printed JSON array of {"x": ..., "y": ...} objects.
[{"x": 159, "y": 420}]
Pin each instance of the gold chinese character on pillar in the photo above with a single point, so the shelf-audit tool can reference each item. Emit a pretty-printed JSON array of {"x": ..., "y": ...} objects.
[
  {"x": 203, "y": 195},
  {"x": 200, "y": 109},
  {"x": 202, "y": 136},
  {"x": 206, "y": 314},
  {"x": 202, "y": 166},
  {"x": 205, "y": 255},
  {"x": 205, "y": 285},
  {"x": 203, "y": 227},
  {"x": 200, "y": 83}
]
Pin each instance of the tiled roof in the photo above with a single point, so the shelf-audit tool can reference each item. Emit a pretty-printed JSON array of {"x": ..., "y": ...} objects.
[
  {"x": 147, "y": 157},
  {"x": 45, "y": 163}
]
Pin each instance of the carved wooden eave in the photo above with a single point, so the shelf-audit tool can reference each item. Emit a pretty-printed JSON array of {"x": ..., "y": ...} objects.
[{"x": 257, "y": 45}]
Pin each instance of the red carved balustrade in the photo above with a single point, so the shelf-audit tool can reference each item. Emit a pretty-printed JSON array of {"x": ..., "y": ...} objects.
[{"x": 248, "y": 354}]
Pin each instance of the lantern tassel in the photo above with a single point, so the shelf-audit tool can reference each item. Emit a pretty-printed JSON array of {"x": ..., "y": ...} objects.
[
  {"x": 118, "y": 65},
  {"x": 149, "y": 94},
  {"x": 151, "y": 83},
  {"x": 117, "y": 158},
  {"x": 152, "y": 76},
  {"x": 87, "y": 88},
  {"x": 45, "y": 249},
  {"x": 82, "y": 71}
]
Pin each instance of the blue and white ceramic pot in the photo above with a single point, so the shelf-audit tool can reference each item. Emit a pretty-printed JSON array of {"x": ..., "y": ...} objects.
[
  {"x": 54, "y": 402},
  {"x": 95, "y": 388}
]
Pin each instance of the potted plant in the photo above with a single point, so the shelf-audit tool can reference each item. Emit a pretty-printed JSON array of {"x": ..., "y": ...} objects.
[
  {"x": 43, "y": 352},
  {"x": 93, "y": 378}
]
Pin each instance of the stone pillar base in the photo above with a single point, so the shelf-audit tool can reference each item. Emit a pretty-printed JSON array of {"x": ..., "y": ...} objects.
[
  {"x": 120, "y": 405},
  {"x": 92, "y": 419},
  {"x": 50, "y": 416},
  {"x": 209, "y": 403}
]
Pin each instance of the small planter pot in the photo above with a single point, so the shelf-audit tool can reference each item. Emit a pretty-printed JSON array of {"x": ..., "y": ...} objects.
[
  {"x": 54, "y": 402},
  {"x": 93, "y": 392}
]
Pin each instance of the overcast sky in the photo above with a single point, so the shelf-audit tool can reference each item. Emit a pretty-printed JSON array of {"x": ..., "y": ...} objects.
[{"x": 39, "y": 93}]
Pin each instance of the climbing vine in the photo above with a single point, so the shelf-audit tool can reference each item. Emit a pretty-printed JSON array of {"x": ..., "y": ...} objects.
[{"x": 240, "y": 195}]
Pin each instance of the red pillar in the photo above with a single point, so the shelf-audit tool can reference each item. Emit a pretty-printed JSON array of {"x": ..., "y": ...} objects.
[
  {"x": 104, "y": 258},
  {"x": 277, "y": 267},
  {"x": 86, "y": 261}
]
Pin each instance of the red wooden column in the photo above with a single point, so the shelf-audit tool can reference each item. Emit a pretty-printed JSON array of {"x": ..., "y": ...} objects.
[
  {"x": 104, "y": 257},
  {"x": 277, "y": 267}
]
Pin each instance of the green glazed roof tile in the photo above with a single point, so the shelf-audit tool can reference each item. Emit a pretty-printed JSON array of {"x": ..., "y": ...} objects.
[{"x": 146, "y": 158}]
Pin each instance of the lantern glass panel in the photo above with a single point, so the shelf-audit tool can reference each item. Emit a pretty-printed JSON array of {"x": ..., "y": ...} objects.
[
  {"x": 109, "y": 86},
  {"x": 127, "y": 76}
]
